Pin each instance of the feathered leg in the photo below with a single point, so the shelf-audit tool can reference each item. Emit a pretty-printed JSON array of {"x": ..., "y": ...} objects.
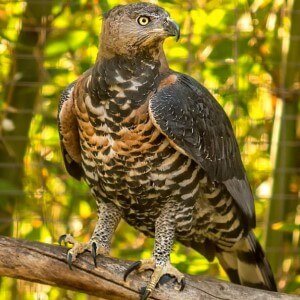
[
  {"x": 160, "y": 261},
  {"x": 108, "y": 218}
]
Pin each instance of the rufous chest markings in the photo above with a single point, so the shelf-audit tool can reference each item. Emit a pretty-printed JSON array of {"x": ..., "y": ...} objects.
[{"x": 134, "y": 133}]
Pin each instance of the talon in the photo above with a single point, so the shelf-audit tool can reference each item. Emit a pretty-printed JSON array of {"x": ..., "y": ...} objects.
[
  {"x": 69, "y": 259},
  {"x": 146, "y": 294},
  {"x": 94, "y": 253},
  {"x": 131, "y": 268},
  {"x": 62, "y": 239},
  {"x": 182, "y": 284},
  {"x": 164, "y": 279}
]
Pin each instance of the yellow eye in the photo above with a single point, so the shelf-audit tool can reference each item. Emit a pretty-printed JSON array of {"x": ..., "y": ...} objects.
[{"x": 143, "y": 21}]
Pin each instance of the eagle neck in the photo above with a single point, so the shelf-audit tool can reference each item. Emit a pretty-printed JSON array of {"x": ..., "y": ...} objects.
[{"x": 122, "y": 79}]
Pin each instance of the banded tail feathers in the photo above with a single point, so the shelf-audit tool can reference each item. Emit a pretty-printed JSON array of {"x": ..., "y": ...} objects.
[{"x": 247, "y": 264}]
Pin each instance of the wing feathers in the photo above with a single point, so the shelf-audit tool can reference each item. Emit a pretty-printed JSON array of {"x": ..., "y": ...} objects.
[
  {"x": 194, "y": 121},
  {"x": 68, "y": 133}
]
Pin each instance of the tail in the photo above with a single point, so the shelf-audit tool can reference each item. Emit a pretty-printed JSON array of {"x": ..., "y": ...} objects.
[{"x": 247, "y": 264}]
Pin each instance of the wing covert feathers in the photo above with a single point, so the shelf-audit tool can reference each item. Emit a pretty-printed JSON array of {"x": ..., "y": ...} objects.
[{"x": 195, "y": 123}]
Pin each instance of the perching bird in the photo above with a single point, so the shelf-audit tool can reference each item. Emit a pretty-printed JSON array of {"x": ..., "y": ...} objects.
[{"x": 157, "y": 150}]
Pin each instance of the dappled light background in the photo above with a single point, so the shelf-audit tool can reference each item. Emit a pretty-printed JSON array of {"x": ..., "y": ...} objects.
[{"x": 245, "y": 51}]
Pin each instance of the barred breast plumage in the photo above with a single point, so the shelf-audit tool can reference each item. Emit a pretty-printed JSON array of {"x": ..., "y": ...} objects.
[{"x": 128, "y": 161}]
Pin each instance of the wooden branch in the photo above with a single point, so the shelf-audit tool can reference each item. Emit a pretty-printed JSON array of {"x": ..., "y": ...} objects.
[{"x": 44, "y": 263}]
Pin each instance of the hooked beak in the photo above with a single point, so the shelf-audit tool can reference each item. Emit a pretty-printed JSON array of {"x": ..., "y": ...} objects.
[{"x": 172, "y": 28}]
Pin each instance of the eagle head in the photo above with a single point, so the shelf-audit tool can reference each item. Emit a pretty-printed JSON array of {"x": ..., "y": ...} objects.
[{"x": 134, "y": 28}]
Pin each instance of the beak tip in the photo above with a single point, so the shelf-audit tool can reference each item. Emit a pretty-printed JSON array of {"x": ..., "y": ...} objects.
[
  {"x": 173, "y": 29},
  {"x": 177, "y": 32}
]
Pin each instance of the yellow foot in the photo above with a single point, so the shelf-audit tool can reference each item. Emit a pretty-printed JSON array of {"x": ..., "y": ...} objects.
[
  {"x": 158, "y": 272},
  {"x": 93, "y": 246}
]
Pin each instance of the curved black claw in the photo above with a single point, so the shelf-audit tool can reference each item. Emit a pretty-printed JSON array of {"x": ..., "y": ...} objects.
[
  {"x": 131, "y": 268},
  {"x": 182, "y": 284},
  {"x": 145, "y": 294},
  {"x": 62, "y": 239},
  {"x": 167, "y": 278},
  {"x": 164, "y": 279},
  {"x": 69, "y": 259},
  {"x": 94, "y": 253}
]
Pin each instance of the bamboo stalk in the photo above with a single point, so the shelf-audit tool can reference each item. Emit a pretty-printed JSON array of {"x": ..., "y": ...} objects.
[{"x": 285, "y": 154}]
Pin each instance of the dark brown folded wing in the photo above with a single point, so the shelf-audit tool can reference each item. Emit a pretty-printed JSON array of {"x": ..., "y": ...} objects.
[
  {"x": 197, "y": 125},
  {"x": 68, "y": 133}
]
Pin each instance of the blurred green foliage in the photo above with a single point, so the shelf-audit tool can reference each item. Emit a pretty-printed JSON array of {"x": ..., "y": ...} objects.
[{"x": 232, "y": 47}]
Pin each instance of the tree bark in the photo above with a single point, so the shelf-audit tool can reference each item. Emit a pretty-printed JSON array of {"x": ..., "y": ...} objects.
[{"x": 44, "y": 263}]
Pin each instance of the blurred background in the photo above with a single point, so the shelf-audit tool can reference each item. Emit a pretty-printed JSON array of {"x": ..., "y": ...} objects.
[{"x": 247, "y": 52}]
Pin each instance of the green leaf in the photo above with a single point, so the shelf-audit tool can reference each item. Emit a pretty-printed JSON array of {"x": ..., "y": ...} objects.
[
  {"x": 64, "y": 43},
  {"x": 289, "y": 227}
]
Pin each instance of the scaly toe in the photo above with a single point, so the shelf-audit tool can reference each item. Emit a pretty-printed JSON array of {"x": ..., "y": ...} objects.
[
  {"x": 77, "y": 248},
  {"x": 93, "y": 246},
  {"x": 159, "y": 272},
  {"x": 147, "y": 264},
  {"x": 173, "y": 272},
  {"x": 66, "y": 238}
]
